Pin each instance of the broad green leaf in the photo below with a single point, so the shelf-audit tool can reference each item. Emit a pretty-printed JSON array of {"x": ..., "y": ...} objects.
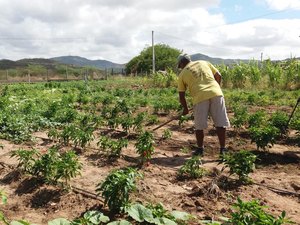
[
  {"x": 181, "y": 215},
  {"x": 96, "y": 217},
  {"x": 140, "y": 213},
  {"x": 121, "y": 222},
  {"x": 59, "y": 221},
  {"x": 3, "y": 197},
  {"x": 163, "y": 221},
  {"x": 209, "y": 222},
  {"x": 20, "y": 222}
]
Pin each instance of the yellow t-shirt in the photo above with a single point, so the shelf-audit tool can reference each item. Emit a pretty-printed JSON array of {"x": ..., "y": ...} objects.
[{"x": 198, "y": 78}]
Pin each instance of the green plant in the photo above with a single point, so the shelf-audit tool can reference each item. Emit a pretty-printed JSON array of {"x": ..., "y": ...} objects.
[
  {"x": 117, "y": 186},
  {"x": 113, "y": 148},
  {"x": 91, "y": 218},
  {"x": 240, "y": 116},
  {"x": 240, "y": 163},
  {"x": 192, "y": 168},
  {"x": 257, "y": 119},
  {"x": 156, "y": 214},
  {"x": 263, "y": 136},
  {"x": 279, "y": 120},
  {"x": 252, "y": 213},
  {"x": 152, "y": 119},
  {"x": 185, "y": 150},
  {"x": 68, "y": 166},
  {"x": 167, "y": 134},
  {"x": 26, "y": 159},
  {"x": 144, "y": 146},
  {"x": 3, "y": 197},
  {"x": 183, "y": 119},
  {"x": 51, "y": 167}
]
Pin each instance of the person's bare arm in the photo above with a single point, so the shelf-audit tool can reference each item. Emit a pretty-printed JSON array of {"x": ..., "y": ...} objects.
[
  {"x": 218, "y": 77},
  {"x": 182, "y": 101}
]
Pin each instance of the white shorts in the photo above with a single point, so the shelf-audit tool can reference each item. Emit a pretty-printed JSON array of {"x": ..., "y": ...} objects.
[{"x": 216, "y": 108}]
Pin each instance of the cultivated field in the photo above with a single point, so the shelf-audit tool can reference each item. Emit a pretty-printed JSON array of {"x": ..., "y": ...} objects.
[{"x": 75, "y": 150}]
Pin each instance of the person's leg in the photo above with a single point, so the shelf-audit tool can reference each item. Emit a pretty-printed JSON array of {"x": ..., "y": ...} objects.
[
  {"x": 199, "y": 138},
  {"x": 221, "y": 132},
  {"x": 220, "y": 118},
  {"x": 200, "y": 120}
]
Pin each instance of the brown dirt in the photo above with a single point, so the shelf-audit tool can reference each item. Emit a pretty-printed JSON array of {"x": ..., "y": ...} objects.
[{"x": 208, "y": 197}]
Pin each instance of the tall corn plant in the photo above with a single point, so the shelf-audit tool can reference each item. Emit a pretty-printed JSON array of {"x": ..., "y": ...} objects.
[
  {"x": 291, "y": 75},
  {"x": 273, "y": 71},
  {"x": 254, "y": 73},
  {"x": 239, "y": 75},
  {"x": 226, "y": 75}
]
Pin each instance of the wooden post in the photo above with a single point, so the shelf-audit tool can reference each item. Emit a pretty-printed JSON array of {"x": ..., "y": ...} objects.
[
  {"x": 7, "y": 75},
  {"x": 47, "y": 75},
  {"x": 67, "y": 72}
]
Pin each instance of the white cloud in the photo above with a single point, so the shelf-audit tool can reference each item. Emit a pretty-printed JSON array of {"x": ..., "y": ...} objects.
[
  {"x": 118, "y": 30},
  {"x": 283, "y": 4}
]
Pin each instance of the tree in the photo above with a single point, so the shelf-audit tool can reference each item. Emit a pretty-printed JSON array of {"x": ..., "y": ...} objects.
[{"x": 165, "y": 57}]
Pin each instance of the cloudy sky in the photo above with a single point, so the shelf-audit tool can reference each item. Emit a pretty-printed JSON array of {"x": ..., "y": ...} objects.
[{"x": 118, "y": 30}]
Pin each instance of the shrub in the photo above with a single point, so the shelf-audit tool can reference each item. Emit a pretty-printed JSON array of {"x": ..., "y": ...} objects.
[
  {"x": 240, "y": 163},
  {"x": 117, "y": 187},
  {"x": 192, "y": 168},
  {"x": 263, "y": 136}
]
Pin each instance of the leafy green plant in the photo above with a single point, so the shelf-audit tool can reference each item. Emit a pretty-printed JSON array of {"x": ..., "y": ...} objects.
[
  {"x": 257, "y": 119},
  {"x": 15, "y": 128},
  {"x": 156, "y": 214},
  {"x": 252, "y": 213},
  {"x": 192, "y": 168},
  {"x": 183, "y": 119},
  {"x": 240, "y": 163},
  {"x": 3, "y": 197},
  {"x": 117, "y": 186},
  {"x": 240, "y": 116},
  {"x": 91, "y": 218},
  {"x": 279, "y": 120},
  {"x": 263, "y": 136},
  {"x": 26, "y": 159},
  {"x": 152, "y": 119},
  {"x": 167, "y": 134},
  {"x": 51, "y": 167},
  {"x": 144, "y": 146},
  {"x": 113, "y": 148},
  {"x": 185, "y": 150}
]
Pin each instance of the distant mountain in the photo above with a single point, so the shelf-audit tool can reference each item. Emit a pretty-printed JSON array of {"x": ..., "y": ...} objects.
[
  {"x": 217, "y": 60},
  {"x": 80, "y": 61},
  {"x": 6, "y": 64}
]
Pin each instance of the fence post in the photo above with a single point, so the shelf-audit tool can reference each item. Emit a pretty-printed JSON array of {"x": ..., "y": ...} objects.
[
  {"x": 29, "y": 77},
  {"x": 67, "y": 73},
  {"x": 47, "y": 75},
  {"x": 7, "y": 75}
]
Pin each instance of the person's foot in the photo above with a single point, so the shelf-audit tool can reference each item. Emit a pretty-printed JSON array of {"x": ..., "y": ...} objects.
[
  {"x": 223, "y": 150},
  {"x": 198, "y": 151}
]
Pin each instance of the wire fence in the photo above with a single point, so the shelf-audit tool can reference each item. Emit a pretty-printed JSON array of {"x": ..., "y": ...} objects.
[{"x": 21, "y": 76}]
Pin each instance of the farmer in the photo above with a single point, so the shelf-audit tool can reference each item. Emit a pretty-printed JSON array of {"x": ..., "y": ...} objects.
[{"x": 202, "y": 80}]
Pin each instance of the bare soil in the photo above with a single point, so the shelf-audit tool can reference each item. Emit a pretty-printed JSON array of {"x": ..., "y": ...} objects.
[{"x": 276, "y": 178}]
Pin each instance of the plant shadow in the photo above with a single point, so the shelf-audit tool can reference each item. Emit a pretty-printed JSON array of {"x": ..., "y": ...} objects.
[
  {"x": 11, "y": 177},
  {"x": 270, "y": 158},
  {"x": 44, "y": 196},
  {"x": 29, "y": 185}
]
